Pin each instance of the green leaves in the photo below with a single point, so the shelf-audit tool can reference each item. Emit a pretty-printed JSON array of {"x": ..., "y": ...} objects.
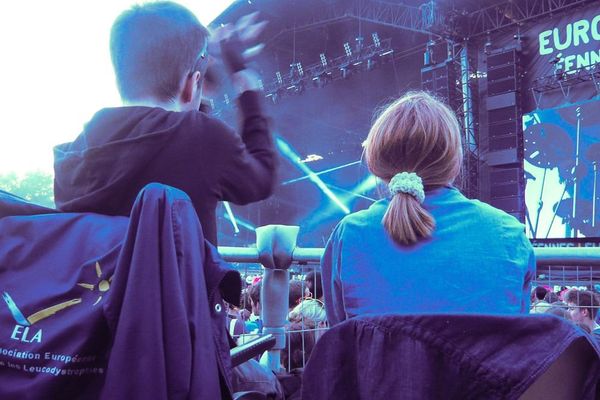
[{"x": 34, "y": 186}]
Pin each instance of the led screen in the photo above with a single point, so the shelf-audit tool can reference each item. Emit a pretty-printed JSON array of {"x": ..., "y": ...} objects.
[{"x": 562, "y": 153}]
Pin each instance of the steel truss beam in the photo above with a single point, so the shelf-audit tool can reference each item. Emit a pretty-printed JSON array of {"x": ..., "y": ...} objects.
[
  {"x": 465, "y": 107},
  {"x": 428, "y": 19},
  {"x": 503, "y": 15},
  {"x": 425, "y": 19}
]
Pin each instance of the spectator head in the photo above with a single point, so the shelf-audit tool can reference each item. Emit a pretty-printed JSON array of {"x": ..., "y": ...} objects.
[
  {"x": 309, "y": 311},
  {"x": 539, "y": 293},
  {"x": 158, "y": 52},
  {"x": 296, "y": 294},
  {"x": 583, "y": 306},
  {"x": 298, "y": 346},
  {"x": 559, "y": 311},
  {"x": 419, "y": 134},
  {"x": 254, "y": 294},
  {"x": 314, "y": 286},
  {"x": 551, "y": 297}
]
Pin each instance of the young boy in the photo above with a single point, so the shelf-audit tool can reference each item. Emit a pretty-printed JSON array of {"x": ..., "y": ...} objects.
[
  {"x": 159, "y": 54},
  {"x": 583, "y": 309}
]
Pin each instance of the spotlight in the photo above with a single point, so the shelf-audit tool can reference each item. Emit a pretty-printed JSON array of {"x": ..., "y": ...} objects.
[
  {"x": 371, "y": 64},
  {"x": 348, "y": 49},
  {"x": 323, "y": 60},
  {"x": 376, "y": 40},
  {"x": 296, "y": 69},
  {"x": 322, "y": 79},
  {"x": 345, "y": 71},
  {"x": 359, "y": 44}
]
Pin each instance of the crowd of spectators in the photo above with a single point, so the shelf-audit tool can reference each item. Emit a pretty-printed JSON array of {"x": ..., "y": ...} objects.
[{"x": 574, "y": 304}]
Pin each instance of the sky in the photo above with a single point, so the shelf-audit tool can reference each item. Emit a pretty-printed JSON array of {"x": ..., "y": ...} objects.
[{"x": 56, "y": 73}]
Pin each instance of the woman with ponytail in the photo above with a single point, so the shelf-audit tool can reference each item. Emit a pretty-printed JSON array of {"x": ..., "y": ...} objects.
[{"x": 426, "y": 248}]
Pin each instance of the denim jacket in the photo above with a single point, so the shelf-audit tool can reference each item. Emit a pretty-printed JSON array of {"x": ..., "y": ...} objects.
[{"x": 430, "y": 357}]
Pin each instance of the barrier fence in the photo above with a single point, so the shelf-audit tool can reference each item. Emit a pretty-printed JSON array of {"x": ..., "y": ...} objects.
[{"x": 278, "y": 260}]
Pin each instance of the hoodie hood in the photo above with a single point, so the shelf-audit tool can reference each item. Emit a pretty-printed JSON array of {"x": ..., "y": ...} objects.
[{"x": 95, "y": 171}]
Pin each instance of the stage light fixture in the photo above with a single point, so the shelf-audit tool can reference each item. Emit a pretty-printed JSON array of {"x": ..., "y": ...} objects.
[
  {"x": 345, "y": 71},
  {"x": 359, "y": 43},
  {"x": 376, "y": 40},
  {"x": 370, "y": 64},
  {"x": 279, "y": 78},
  {"x": 348, "y": 49},
  {"x": 296, "y": 70},
  {"x": 323, "y": 60}
]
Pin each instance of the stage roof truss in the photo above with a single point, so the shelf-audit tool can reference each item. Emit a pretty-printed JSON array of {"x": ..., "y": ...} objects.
[{"x": 500, "y": 16}]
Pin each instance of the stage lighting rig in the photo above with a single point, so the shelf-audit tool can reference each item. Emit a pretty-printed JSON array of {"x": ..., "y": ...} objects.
[
  {"x": 359, "y": 43},
  {"x": 323, "y": 60},
  {"x": 326, "y": 70},
  {"x": 376, "y": 40},
  {"x": 348, "y": 49}
]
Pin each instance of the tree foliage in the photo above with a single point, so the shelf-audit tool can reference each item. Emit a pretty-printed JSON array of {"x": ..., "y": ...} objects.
[{"x": 34, "y": 186}]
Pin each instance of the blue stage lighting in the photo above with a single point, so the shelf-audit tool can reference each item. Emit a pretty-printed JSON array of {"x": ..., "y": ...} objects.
[
  {"x": 366, "y": 185},
  {"x": 237, "y": 221},
  {"x": 231, "y": 217},
  {"x": 295, "y": 159}
]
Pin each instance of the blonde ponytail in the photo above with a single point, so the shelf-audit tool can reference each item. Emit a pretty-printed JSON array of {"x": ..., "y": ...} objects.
[
  {"x": 415, "y": 134},
  {"x": 406, "y": 221}
]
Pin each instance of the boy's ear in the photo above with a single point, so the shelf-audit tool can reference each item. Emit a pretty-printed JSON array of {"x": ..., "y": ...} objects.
[
  {"x": 190, "y": 86},
  {"x": 585, "y": 312}
]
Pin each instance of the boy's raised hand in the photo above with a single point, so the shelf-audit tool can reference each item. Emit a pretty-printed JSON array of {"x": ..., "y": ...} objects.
[{"x": 238, "y": 43}]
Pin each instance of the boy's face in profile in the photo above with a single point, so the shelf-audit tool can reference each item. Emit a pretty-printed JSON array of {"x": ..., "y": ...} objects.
[{"x": 578, "y": 314}]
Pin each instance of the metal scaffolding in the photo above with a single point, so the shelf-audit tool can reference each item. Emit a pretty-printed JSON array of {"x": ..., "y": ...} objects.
[
  {"x": 427, "y": 18},
  {"x": 509, "y": 13},
  {"x": 424, "y": 19},
  {"x": 465, "y": 106}
]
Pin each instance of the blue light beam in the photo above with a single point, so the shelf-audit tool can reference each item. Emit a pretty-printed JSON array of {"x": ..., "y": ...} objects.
[
  {"x": 322, "y": 172},
  {"x": 291, "y": 155},
  {"x": 231, "y": 217}
]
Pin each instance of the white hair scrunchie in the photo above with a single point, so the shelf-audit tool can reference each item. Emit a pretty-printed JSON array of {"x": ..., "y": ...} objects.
[{"x": 408, "y": 182}]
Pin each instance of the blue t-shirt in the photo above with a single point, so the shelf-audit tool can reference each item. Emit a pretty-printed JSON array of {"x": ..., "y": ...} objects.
[{"x": 478, "y": 260}]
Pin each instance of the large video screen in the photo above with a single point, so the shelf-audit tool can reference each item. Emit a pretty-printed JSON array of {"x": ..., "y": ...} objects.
[{"x": 562, "y": 153}]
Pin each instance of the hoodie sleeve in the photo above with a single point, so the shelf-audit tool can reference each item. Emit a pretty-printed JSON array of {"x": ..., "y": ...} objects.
[{"x": 249, "y": 162}]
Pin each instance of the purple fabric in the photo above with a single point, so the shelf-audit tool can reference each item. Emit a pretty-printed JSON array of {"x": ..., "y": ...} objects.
[
  {"x": 439, "y": 357},
  {"x": 143, "y": 322}
]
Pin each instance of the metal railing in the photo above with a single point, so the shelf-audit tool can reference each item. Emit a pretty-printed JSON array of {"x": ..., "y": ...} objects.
[
  {"x": 312, "y": 255},
  {"x": 276, "y": 251}
]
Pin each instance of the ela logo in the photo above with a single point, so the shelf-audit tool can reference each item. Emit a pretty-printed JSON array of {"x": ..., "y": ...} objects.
[{"x": 21, "y": 331}]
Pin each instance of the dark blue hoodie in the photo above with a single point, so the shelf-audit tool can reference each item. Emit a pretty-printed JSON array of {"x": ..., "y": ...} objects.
[{"x": 122, "y": 149}]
